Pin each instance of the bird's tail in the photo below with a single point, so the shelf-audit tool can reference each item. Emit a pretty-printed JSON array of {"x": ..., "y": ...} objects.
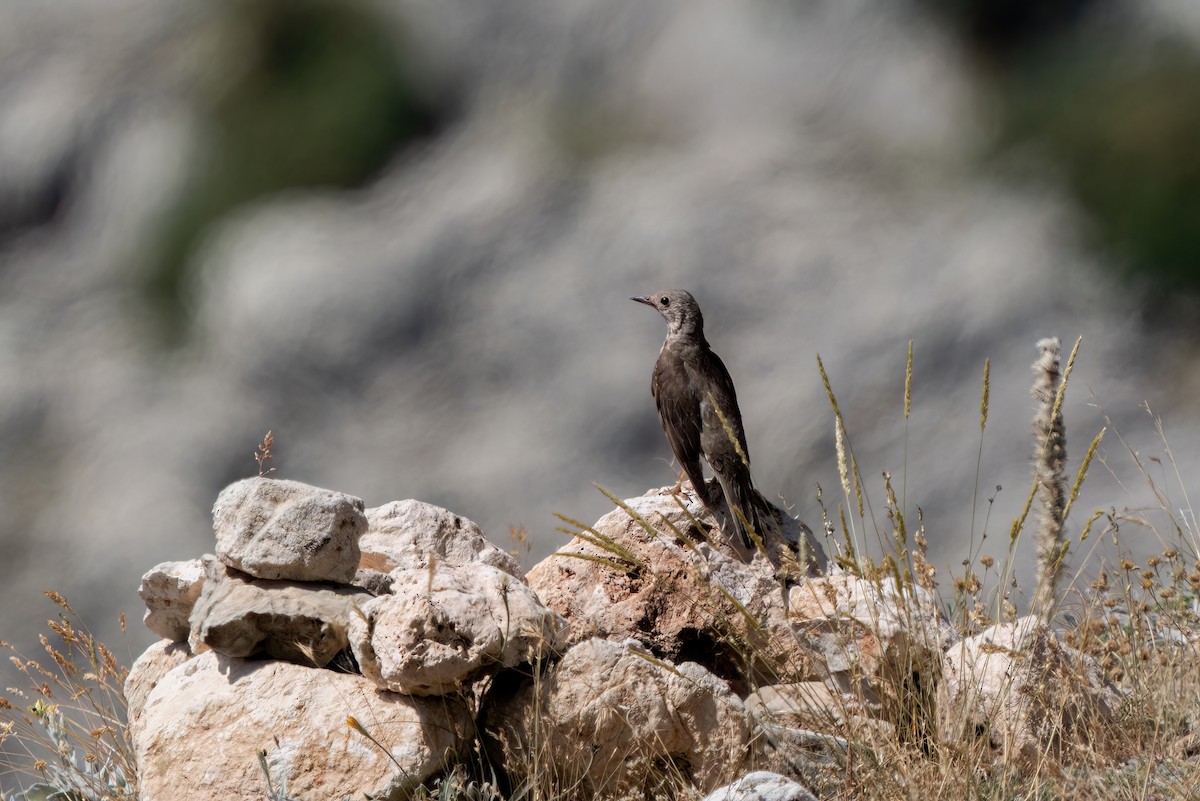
[{"x": 746, "y": 509}]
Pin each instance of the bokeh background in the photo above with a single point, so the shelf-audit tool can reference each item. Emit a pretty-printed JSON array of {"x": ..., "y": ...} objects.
[{"x": 402, "y": 236}]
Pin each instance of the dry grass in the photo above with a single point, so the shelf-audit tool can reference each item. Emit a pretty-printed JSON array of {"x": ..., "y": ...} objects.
[
  {"x": 66, "y": 730},
  {"x": 1138, "y": 623}
]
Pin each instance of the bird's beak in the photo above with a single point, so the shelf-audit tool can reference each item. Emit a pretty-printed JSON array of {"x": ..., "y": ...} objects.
[{"x": 643, "y": 299}]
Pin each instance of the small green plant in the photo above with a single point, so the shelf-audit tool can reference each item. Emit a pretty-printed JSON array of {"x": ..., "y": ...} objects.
[
  {"x": 458, "y": 785},
  {"x": 275, "y": 791}
]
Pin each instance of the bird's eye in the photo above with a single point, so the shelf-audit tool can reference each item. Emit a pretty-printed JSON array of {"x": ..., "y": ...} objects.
[{"x": 664, "y": 302}]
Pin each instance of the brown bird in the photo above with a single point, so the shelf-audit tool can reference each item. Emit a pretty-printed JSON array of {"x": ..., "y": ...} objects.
[{"x": 698, "y": 407}]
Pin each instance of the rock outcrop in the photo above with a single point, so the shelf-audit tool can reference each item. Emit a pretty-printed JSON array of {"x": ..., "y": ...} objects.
[
  {"x": 278, "y": 646},
  {"x": 648, "y": 657},
  {"x": 659, "y": 571}
]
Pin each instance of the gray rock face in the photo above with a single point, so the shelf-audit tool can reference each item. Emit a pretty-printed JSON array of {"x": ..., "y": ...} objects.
[
  {"x": 169, "y": 591},
  {"x": 445, "y": 627},
  {"x": 274, "y": 529},
  {"x": 407, "y": 534},
  {"x": 238, "y": 615},
  {"x": 199, "y": 731}
]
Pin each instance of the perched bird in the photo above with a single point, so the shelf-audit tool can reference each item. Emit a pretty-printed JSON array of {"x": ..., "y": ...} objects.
[{"x": 699, "y": 411}]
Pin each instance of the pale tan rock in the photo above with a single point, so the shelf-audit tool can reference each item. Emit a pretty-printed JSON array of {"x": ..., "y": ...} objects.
[
  {"x": 684, "y": 597},
  {"x": 276, "y": 529},
  {"x": 204, "y": 722},
  {"x": 1028, "y": 693},
  {"x": 614, "y": 721},
  {"x": 442, "y": 629},
  {"x": 169, "y": 591},
  {"x": 154, "y": 663},
  {"x": 237, "y": 615},
  {"x": 409, "y": 534}
]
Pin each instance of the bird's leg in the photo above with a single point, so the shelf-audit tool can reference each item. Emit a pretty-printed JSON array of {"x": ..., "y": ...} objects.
[{"x": 678, "y": 488}]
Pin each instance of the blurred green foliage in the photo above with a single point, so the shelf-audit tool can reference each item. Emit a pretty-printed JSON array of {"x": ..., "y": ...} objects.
[
  {"x": 1116, "y": 106},
  {"x": 1003, "y": 26},
  {"x": 1124, "y": 126},
  {"x": 310, "y": 93}
]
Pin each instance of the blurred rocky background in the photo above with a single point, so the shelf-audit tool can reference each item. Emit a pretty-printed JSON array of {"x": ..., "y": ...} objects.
[{"x": 402, "y": 235}]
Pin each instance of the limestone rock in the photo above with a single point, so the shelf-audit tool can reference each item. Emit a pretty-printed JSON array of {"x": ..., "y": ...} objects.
[
  {"x": 405, "y": 534},
  {"x": 686, "y": 598},
  {"x": 275, "y": 529},
  {"x": 169, "y": 591},
  {"x": 155, "y": 662},
  {"x": 443, "y": 628},
  {"x": 204, "y": 723},
  {"x": 762, "y": 785},
  {"x": 237, "y": 615},
  {"x": 1029, "y": 693},
  {"x": 620, "y": 723}
]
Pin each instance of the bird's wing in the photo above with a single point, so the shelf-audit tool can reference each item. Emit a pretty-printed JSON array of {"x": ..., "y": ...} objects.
[
  {"x": 719, "y": 387},
  {"x": 728, "y": 456},
  {"x": 679, "y": 410}
]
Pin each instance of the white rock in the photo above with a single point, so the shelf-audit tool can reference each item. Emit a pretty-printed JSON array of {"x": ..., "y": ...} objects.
[
  {"x": 443, "y": 628},
  {"x": 1029, "y": 693},
  {"x": 405, "y": 534},
  {"x": 205, "y": 721},
  {"x": 237, "y": 615},
  {"x": 620, "y": 723},
  {"x": 276, "y": 529},
  {"x": 169, "y": 591},
  {"x": 762, "y": 785}
]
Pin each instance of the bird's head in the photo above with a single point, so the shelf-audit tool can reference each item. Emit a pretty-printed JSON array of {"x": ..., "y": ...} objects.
[{"x": 679, "y": 309}]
